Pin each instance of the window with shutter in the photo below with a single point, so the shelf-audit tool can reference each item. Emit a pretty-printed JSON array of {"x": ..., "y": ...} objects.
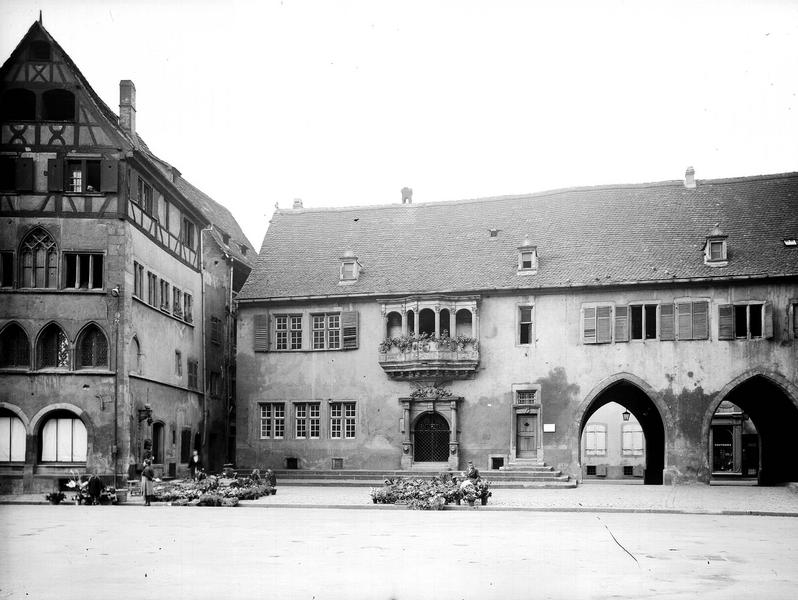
[
  {"x": 603, "y": 324},
  {"x": 725, "y": 322},
  {"x": 262, "y": 333},
  {"x": 621, "y": 323},
  {"x": 589, "y": 325},
  {"x": 349, "y": 329},
  {"x": 666, "y": 322}
]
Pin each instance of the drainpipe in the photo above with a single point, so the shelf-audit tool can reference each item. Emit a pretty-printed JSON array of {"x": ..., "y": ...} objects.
[
  {"x": 205, "y": 415},
  {"x": 115, "y": 451},
  {"x": 228, "y": 360}
]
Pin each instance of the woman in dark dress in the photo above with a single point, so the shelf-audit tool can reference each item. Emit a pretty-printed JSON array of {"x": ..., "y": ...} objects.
[{"x": 147, "y": 479}]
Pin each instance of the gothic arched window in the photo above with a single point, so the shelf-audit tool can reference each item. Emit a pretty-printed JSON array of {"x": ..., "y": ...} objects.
[
  {"x": 92, "y": 348},
  {"x": 53, "y": 348},
  {"x": 39, "y": 255},
  {"x": 14, "y": 347}
]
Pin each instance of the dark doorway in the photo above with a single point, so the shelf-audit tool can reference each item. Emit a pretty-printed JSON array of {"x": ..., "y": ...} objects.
[
  {"x": 637, "y": 402},
  {"x": 770, "y": 441},
  {"x": 431, "y": 438}
]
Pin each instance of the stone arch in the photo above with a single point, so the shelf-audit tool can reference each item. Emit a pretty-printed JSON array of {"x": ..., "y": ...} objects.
[
  {"x": 664, "y": 411},
  {"x": 19, "y": 413},
  {"x": 638, "y": 397},
  {"x": 775, "y": 422},
  {"x": 42, "y": 416}
]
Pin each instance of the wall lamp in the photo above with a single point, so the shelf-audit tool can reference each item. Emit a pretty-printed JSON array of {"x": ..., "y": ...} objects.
[
  {"x": 145, "y": 414},
  {"x": 102, "y": 400},
  {"x": 626, "y": 414}
]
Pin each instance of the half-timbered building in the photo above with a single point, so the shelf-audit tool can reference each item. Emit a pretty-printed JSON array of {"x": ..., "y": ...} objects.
[{"x": 116, "y": 291}]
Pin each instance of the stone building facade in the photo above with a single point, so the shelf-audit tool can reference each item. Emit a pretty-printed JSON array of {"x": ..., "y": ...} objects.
[
  {"x": 118, "y": 281},
  {"x": 416, "y": 336}
]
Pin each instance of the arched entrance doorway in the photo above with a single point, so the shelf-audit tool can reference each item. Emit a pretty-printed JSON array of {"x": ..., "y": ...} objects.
[
  {"x": 431, "y": 438},
  {"x": 773, "y": 417},
  {"x": 638, "y": 403}
]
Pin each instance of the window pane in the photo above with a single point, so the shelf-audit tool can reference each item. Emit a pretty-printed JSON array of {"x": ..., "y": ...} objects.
[
  {"x": 49, "y": 438},
  {"x": 637, "y": 322},
  {"x": 79, "y": 441},
  {"x": 741, "y": 321},
  {"x": 755, "y": 320},
  {"x": 5, "y": 439},
  {"x": 651, "y": 321},
  {"x": 64, "y": 446}
]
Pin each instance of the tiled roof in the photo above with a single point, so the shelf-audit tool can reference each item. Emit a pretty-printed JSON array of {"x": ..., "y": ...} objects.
[{"x": 595, "y": 236}]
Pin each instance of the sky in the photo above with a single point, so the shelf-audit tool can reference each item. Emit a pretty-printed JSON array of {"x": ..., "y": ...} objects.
[{"x": 344, "y": 103}]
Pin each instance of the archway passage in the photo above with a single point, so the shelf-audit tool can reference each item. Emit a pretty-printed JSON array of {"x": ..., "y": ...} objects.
[
  {"x": 733, "y": 443},
  {"x": 635, "y": 400},
  {"x": 775, "y": 416},
  {"x": 431, "y": 438}
]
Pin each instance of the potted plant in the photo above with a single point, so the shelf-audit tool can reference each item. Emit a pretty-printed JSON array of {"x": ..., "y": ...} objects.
[{"x": 55, "y": 497}]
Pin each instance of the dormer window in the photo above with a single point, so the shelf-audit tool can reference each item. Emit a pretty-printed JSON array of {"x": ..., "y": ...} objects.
[
  {"x": 350, "y": 268},
  {"x": 527, "y": 258},
  {"x": 715, "y": 249}
]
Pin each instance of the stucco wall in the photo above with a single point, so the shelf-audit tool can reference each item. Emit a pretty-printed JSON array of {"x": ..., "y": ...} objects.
[{"x": 682, "y": 379}]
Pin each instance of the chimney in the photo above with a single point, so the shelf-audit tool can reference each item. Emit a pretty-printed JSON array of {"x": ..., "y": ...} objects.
[
  {"x": 407, "y": 195},
  {"x": 127, "y": 106},
  {"x": 297, "y": 203},
  {"x": 689, "y": 178}
]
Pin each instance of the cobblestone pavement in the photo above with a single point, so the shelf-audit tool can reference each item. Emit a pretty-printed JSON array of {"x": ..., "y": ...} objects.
[{"x": 696, "y": 498}]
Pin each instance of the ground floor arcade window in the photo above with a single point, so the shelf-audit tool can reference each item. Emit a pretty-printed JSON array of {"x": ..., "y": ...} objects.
[
  {"x": 63, "y": 439},
  {"x": 12, "y": 438}
]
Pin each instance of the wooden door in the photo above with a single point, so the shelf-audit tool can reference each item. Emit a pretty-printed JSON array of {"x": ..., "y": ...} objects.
[{"x": 526, "y": 436}]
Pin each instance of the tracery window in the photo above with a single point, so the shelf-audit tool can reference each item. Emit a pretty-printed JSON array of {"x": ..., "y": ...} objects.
[
  {"x": 39, "y": 260},
  {"x": 92, "y": 348},
  {"x": 53, "y": 348}
]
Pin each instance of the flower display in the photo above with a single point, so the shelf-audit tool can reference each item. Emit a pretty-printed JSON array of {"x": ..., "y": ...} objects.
[{"x": 432, "y": 494}]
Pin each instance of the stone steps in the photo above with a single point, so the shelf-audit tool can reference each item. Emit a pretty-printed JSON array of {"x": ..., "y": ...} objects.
[{"x": 518, "y": 475}]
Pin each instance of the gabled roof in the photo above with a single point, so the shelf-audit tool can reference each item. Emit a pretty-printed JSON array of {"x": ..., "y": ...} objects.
[
  {"x": 593, "y": 236},
  {"x": 215, "y": 214}
]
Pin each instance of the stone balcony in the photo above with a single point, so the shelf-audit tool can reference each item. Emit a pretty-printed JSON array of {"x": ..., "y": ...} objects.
[{"x": 431, "y": 360}]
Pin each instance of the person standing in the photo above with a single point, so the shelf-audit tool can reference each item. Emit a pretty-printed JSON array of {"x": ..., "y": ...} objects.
[
  {"x": 147, "y": 479},
  {"x": 194, "y": 465}
]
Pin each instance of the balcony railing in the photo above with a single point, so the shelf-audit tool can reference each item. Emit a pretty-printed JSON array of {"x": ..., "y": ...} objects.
[{"x": 447, "y": 358}]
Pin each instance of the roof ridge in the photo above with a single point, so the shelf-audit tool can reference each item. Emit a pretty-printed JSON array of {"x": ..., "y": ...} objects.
[{"x": 542, "y": 194}]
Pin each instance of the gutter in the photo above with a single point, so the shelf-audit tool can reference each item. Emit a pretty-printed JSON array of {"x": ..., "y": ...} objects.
[{"x": 543, "y": 290}]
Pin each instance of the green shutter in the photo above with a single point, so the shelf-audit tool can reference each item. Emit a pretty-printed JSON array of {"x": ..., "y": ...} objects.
[
  {"x": 666, "y": 323},
  {"x": 700, "y": 320},
  {"x": 109, "y": 175},
  {"x": 55, "y": 175},
  {"x": 603, "y": 324},
  {"x": 23, "y": 174},
  {"x": 725, "y": 322},
  {"x": 621, "y": 323},
  {"x": 589, "y": 326},
  {"x": 349, "y": 327},
  {"x": 262, "y": 333}
]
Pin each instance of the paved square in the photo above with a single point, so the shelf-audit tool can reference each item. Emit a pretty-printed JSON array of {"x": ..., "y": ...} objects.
[{"x": 258, "y": 552}]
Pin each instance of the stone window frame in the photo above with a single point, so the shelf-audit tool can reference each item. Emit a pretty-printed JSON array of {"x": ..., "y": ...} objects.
[{"x": 307, "y": 419}]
